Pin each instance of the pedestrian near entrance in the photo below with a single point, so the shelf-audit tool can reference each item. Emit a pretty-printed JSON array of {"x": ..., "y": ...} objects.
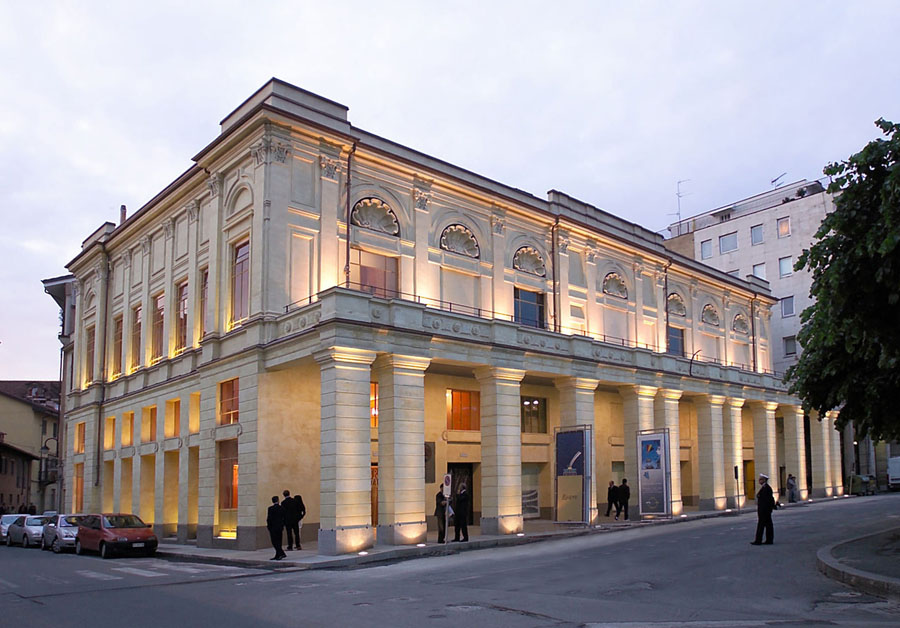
[
  {"x": 291, "y": 519},
  {"x": 440, "y": 511},
  {"x": 612, "y": 498},
  {"x": 301, "y": 511},
  {"x": 275, "y": 525},
  {"x": 623, "y": 494},
  {"x": 461, "y": 515},
  {"x": 792, "y": 488},
  {"x": 765, "y": 504}
]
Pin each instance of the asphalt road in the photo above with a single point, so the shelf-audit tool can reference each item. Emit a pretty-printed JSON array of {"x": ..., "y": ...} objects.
[{"x": 701, "y": 573}]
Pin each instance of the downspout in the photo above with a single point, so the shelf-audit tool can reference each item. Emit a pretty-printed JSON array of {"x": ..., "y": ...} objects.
[
  {"x": 554, "y": 231},
  {"x": 100, "y": 422},
  {"x": 60, "y": 421},
  {"x": 347, "y": 253},
  {"x": 753, "y": 328},
  {"x": 666, "y": 300}
]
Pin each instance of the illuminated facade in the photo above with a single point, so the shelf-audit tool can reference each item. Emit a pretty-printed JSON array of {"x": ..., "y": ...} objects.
[{"x": 241, "y": 343}]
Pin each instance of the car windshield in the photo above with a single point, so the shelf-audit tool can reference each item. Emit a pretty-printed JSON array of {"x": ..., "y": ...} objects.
[
  {"x": 123, "y": 521},
  {"x": 8, "y": 519},
  {"x": 68, "y": 522},
  {"x": 36, "y": 521}
]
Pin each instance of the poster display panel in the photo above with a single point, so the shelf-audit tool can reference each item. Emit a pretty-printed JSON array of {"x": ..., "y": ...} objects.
[
  {"x": 572, "y": 480},
  {"x": 653, "y": 476}
]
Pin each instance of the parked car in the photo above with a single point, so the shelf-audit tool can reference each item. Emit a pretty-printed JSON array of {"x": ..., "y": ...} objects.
[
  {"x": 26, "y": 529},
  {"x": 60, "y": 532},
  {"x": 114, "y": 534},
  {"x": 5, "y": 520}
]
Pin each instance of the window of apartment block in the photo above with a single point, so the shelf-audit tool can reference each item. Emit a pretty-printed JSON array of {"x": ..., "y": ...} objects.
[
  {"x": 89, "y": 337},
  {"x": 148, "y": 424},
  {"x": 240, "y": 283},
  {"x": 78, "y": 489},
  {"x": 157, "y": 341},
  {"x": 756, "y": 235},
  {"x": 675, "y": 341},
  {"x": 463, "y": 410},
  {"x": 759, "y": 270},
  {"x": 109, "y": 433},
  {"x": 78, "y": 444},
  {"x": 790, "y": 345},
  {"x": 706, "y": 249},
  {"x": 204, "y": 299},
  {"x": 785, "y": 266},
  {"x": 173, "y": 418},
  {"x": 117, "y": 346},
  {"x": 181, "y": 315},
  {"x": 227, "y": 456},
  {"x": 128, "y": 429},
  {"x": 787, "y": 307},
  {"x": 373, "y": 404},
  {"x": 534, "y": 415},
  {"x": 229, "y": 402},
  {"x": 373, "y": 273},
  {"x": 136, "y": 358},
  {"x": 728, "y": 242},
  {"x": 529, "y": 307},
  {"x": 784, "y": 227}
]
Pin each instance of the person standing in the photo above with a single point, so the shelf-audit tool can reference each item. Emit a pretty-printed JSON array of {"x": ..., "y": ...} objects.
[
  {"x": 792, "y": 488},
  {"x": 291, "y": 519},
  {"x": 440, "y": 511},
  {"x": 765, "y": 504},
  {"x": 612, "y": 498},
  {"x": 623, "y": 494},
  {"x": 461, "y": 514},
  {"x": 275, "y": 525},
  {"x": 301, "y": 512}
]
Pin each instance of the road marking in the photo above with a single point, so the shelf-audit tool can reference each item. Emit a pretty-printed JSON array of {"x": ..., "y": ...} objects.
[
  {"x": 134, "y": 571},
  {"x": 181, "y": 568},
  {"x": 96, "y": 575}
]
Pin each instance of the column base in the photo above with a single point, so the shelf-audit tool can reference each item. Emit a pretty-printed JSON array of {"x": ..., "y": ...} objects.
[
  {"x": 677, "y": 507},
  {"x": 508, "y": 524},
  {"x": 735, "y": 501},
  {"x": 712, "y": 503},
  {"x": 345, "y": 540},
  {"x": 405, "y": 533}
]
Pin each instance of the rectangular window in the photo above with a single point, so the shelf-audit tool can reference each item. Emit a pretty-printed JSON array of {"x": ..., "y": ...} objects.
[
  {"x": 181, "y": 312},
  {"x": 78, "y": 492},
  {"x": 229, "y": 402},
  {"x": 728, "y": 242},
  {"x": 240, "y": 284},
  {"x": 373, "y": 404},
  {"x": 784, "y": 227},
  {"x": 759, "y": 270},
  {"x": 706, "y": 249},
  {"x": 756, "y": 235},
  {"x": 148, "y": 424},
  {"x": 109, "y": 433},
  {"x": 136, "y": 358},
  {"x": 785, "y": 266},
  {"x": 534, "y": 415},
  {"x": 373, "y": 273},
  {"x": 117, "y": 347},
  {"x": 43, "y": 427},
  {"x": 128, "y": 429},
  {"x": 790, "y": 345},
  {"x": 675, "y": 341},
  {"x": 787, "y": 307},
  {"x": 78, "y": 445},
  {"x": 463, "y": 410},
  {"x": 204, "y": 299},
  {"x": 173, "y": 418},
  {"x": 529, "y": 307},
  {"x": 157, "y": 343},
  {"x": 89, "y": 337},
  {"x": 228, "y": 487}
]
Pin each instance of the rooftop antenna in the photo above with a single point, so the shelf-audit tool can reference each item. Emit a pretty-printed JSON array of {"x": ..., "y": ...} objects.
[
  {"x": 678, "y": 195},
  {"x": 775, "y": 181}
]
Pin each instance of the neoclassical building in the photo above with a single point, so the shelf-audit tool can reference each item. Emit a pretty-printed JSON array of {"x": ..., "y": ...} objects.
[{"x": 313, "y": 307}]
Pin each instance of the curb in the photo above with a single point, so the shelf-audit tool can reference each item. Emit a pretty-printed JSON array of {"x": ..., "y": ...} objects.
[{"x": 866, "y": 581}]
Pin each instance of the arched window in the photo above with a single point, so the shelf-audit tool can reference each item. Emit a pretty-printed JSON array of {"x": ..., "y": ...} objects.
[
  {"x": 459, "y": 239},
  {"x": 676, "y": 305},
  {"x": 528, "y": 260},
  {"x": 740, "y": 325},
  {"x": 374, "y": 214},
  {"x": 710, "y": 315},
  {"x": 614, "y": 285}
]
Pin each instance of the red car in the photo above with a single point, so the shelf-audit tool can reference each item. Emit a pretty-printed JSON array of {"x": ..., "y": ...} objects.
[{"x": 114, "y": 534}]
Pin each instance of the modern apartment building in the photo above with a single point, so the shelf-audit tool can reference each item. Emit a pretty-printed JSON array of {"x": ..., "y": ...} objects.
[{"x": 313, "y": 307}]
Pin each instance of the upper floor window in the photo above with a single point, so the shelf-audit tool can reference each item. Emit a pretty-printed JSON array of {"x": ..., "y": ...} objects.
[
  {"x": 204, "y": 296},
  {"x": 157, "y": 341},
  {"x": 790, "y": 345},
  {"x": 136, "y": 359},
  {"x": 229, "y": 400},
  {"x": 78, "y": 445},
  {"x": 534, "y": 415},
  {"x": 373, "y": 273},
  {"x": 756, "y": 235},
  {"x": 706, "y": 249},
  {"x": 728, "y": 242},
  {"x": 463, "y": 410},
  {"x": 181, "y": 312},
  {"x": 118, "y": 332},
  {"x": 759, "y": 270},
  {"x": 240, "y": 283},
  {"x": 89, "y": 338},
  {"x": 784, "y": 227},
  {"x": 529, "y": 307},
  {"x": 785, "y": 266},
  {"x": 675, "y": 341},
  {"x": 787, "y": 307}
]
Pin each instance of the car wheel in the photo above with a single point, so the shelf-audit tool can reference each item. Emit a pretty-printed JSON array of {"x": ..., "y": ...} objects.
[
  {"x": 55, "y": 547},
  {"x": 8, "y": 540},
  {"x": 78, "y": 548},
  {"x": 44, "y": 546},
  {"x": 25, "y": 542},
  {"x": 104, "y": 551}
]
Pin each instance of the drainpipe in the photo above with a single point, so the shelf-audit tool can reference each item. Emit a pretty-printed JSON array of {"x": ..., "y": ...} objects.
[
  {"x": 349, "y": 170},
  {"x": 753, "y": 328},
  {"x": 666, "y": 300},
  {"x": 101, "y": 428}
]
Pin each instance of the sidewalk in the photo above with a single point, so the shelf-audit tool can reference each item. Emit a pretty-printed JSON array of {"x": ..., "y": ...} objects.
[{"x": 870, "y": 563}]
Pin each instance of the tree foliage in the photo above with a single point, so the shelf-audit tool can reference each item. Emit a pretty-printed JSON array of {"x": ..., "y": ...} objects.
[{"x": 851, "y": 334}]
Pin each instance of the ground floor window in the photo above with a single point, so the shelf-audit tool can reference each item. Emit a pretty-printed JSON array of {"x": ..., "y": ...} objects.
[
  {"x": 228, "y": 487},
  {"x": 534, "y": 415},
  {"x": 463, "y": 410},
  {"x": 531, "y": 493}
]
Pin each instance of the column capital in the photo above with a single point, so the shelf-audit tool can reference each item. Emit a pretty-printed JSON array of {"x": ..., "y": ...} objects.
[
  {"x": 579, "y": 383},
  {"x": 798, "y": 410},
  {"x": 347, "y": 355},
  {"x": 670, "y": 394},
  {"x": 495, "y": 372},
  {"x": 735, "y": 402},
  {"x": 397, "y": 361},
  {"x": 832, "y": 414},
  {"x": 768, "y": 406},
  {"x": 713, "y": 400},
  {"x": 638, "y": 391}
]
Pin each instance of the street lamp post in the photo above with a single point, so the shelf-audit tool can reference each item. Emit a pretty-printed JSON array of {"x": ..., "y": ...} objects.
[{"x": 44, "y": 477}]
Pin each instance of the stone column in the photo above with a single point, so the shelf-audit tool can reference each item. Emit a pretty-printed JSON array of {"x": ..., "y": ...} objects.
[
  {"x": 576, "y": 407},
  {"x": 184, "y": 464},
  {"x": 666, "y": 415},
  {"x": 501, "y": 450},
  {"x": 345, "y": 520},
  {"x": 795, "y": 448},
  {"x": 734, "y": 452},
  {"x": 837, "y": 479},
  {"x": 711, "y": 449},
  {"x": 638, "y": 415},
  {"x": 820, "y": 450},
  {"x": 401, "y": 441},
  {"x": 764, "y": 442}
]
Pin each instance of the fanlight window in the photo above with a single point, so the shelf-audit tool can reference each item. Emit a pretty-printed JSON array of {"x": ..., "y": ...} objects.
[
  {"x": 614, "y": 285},
  {"x": 458, "y": 239},
  {"x": 528, "y": 260},
  {"x": 372, "y": 213},
  {"x": 710, "y": 315},
  {"x": 676, "y": 305},
  {"x": 740, "y": 324}
]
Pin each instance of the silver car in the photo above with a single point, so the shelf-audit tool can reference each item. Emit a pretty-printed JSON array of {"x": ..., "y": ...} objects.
[
  {"x": 27, "y": 530},
  {"x": 59, "y": 532},
  {"x": 5, "y": 520}
]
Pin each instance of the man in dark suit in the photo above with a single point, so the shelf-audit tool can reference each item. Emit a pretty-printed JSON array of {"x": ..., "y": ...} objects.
[
  {"x": 440, "y": 511},
  {"x": 461, "y": 515},
  {"x": 301, "y": 512},
  {"x": 765, "y": 504},
  {"x": 275, "y": 525},
  {"x": 612, "y": 498},
  {"x": 623, "y": 494},
  {"x": 291, "y": 519}
]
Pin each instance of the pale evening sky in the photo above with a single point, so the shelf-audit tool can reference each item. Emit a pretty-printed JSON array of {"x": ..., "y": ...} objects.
[{"x": 104, "y": 103}]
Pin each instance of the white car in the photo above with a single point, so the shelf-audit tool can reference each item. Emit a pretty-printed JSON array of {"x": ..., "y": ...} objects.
[
  {"x": 5, "y": 520},
  {"x": 26, "y": 529},
  {"x": 60, "y": 532}
]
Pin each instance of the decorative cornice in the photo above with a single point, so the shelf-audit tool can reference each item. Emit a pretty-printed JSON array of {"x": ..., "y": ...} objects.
[
  {"x": 214, "y": 184},
  {"x": 169, "y": 226},
  {"x": 498, "y": 223},
  {"x": 193, "y": 211},
  {"x": 268, "y": 149},
  {"x": 330, "y": 167},
  {"x": 126, "y": 258},
  {"x": 145, "y": 245},
  {"x": 421, "y": 198},
  {"x": 563, "y": 241}
]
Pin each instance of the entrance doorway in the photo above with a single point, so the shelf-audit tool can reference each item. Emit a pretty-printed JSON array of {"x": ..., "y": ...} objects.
[
  {"x": 749, "y": 479},
  {"x": 374, "y": 494},
  {"x": 462, "y": 472}
]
